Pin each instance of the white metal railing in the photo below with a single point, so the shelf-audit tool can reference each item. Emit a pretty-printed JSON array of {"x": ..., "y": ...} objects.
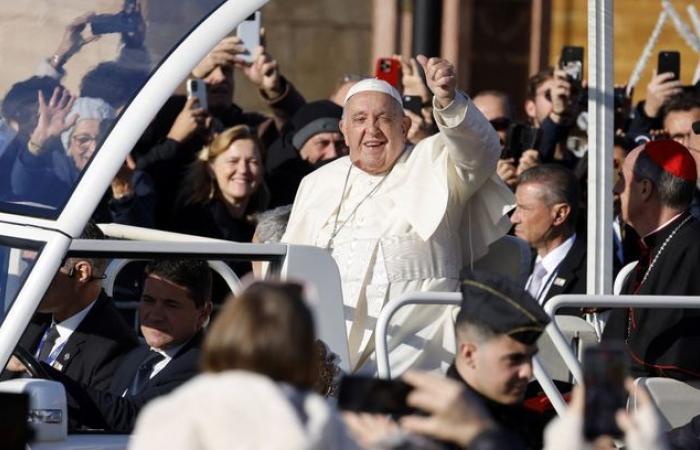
[
  {"x": 605, "y": 301},
  {"x": 560, "y": 342},
  {"x": 446, "y": 299}
]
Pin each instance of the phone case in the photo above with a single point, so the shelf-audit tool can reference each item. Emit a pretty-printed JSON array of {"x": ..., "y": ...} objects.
[
  {"x": 389, "y": 70},
  {"x": 196, "y": 88},
  {"x": 249, "y": 32}
]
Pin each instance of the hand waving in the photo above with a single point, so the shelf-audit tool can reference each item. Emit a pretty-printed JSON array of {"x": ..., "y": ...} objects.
[{"x": 53, "y": 118}]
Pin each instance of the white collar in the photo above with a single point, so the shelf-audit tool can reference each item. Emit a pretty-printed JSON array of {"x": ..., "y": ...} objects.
[
  {"x": 661, "y": 227},
  {"x": 66, "y": 327},
  {"x": 551, "y": 260}
]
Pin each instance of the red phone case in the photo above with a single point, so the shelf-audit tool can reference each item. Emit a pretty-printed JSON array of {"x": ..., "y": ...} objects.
[{"x": 389, "y": 70}]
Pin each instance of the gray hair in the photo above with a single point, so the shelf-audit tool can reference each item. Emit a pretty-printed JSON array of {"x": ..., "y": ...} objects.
[
  {"x": 674, "y": 192},
  {"x": 559, "y": 185},
  {"x": 272, "y": 224},
  {"x": 87, "y": 108}
]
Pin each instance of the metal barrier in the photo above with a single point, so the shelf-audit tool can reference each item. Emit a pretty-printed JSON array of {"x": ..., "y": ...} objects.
[
  {"x": 605, "y": 301},
  {"x": 446, "y": 299},
  {"x": 555, "y": 334}
]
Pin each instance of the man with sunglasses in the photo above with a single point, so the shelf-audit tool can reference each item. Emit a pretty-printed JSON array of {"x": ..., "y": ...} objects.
[{"x": 77, "y": 329}]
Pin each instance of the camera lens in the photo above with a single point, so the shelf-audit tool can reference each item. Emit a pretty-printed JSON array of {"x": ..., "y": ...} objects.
[{"x": 385, "y": 66}]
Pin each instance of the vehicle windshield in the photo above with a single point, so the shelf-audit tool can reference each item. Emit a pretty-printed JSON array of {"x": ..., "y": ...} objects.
[
  {"x": 17, "y": 258},
  {"x": 75, "y": 66}
]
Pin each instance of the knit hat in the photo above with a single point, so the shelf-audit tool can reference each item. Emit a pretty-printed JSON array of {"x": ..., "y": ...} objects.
[{"x": 322, "y": 116}]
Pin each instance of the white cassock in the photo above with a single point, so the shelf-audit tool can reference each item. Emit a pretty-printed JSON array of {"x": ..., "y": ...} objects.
[{"x": 437, "y": 210}]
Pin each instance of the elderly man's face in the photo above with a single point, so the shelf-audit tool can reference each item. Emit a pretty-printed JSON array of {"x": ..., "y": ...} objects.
[
  {"x": 679, "y": 124},
  {"x": 534, "y": 218},
  {"x": 375, "y": 129},
  {"x": 628, "y": 189}
]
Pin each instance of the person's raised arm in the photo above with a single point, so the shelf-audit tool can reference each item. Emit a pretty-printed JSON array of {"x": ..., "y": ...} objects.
[{"x": 470, "y": 139}]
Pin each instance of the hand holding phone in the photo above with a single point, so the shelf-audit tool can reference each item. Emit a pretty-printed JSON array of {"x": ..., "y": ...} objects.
[
  {"x": 669, "y": 62},
  {"x": 198, "y": 89},
  {"x": 374, "y": 395},
  {"x": 571, "y": 62}
]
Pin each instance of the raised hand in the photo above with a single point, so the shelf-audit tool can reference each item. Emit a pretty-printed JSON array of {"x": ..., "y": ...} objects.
[
  {"x": 411, "y": 80},
  {"x": 441, "y": 77},
  {"x": 191, "y": 119},
  {"x": 661, "y": 87},
  {"x": 73, "y": 40},
  {"x": 53, "y": 118},
  {"x": 264, "y": 73},
  {"x": 224, "y": 54}
]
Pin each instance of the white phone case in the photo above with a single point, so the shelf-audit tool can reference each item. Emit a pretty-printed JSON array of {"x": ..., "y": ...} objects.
[
  {"x": 196, "y": 88},
  {"x": 249, "y": 32}
]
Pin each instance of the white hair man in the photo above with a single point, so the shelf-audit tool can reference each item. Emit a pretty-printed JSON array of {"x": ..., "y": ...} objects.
[{"x": 401, "y": 219}]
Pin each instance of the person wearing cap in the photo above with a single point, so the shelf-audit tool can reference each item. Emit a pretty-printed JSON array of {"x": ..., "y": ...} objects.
[
  {"x": 312, "y": 139},
  {"x": 400, "y": 218},
  {"x": 497, "y": 328},
  {"x": 656, "y": 188}
]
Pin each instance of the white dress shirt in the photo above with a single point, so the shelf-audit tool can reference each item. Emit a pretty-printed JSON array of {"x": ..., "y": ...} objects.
[
  {"x": 168, "y": 356},
  {"x": 65, "y": 329},
  {"x": 551, "y": 262}
]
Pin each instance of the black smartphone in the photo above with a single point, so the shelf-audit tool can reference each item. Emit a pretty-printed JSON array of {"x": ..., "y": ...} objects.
[
  {"x": 571, "y": 62},
  {"x": 520, "y": 137},
  {"x": 413, "y": 103},
  {"x": 374, "y": 395},
  {"x": 605, "y": 368},
  {"x": 114, "y": 23},
  {"x": 669, "y": 61}
]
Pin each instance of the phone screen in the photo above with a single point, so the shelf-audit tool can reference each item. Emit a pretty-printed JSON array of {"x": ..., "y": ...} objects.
[
  {"x": 604, "y": 371},
  {"x": 374, "y": 395}
]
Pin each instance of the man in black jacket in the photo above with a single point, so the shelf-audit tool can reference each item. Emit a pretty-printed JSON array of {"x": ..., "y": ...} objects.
[
  {"x": 77, "y": 331},
  {"x": 497, "y": 330},
  {"x": 547, "y": 205},
  {"x": 175, "y": 305}
]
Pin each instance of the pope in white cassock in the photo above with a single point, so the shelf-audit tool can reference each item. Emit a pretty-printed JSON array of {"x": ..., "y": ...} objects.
[{"x": 401, "y": 219}]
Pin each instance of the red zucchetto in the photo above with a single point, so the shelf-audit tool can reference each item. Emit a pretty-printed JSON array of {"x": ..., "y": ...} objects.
[{"x": 673, "y": 158}]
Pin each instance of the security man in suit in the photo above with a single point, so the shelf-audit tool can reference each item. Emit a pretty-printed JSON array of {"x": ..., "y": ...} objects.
[
  {"x": 175, "y": 305},
  {"x": 547, "y": 201},
  {"x": 77, "y": 331},
  {"x": 496, "y": 330}
]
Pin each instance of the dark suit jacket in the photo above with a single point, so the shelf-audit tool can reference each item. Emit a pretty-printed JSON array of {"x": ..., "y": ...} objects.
[
  {"x": 93, "y": 351},
  {"x": 108, "y": 410},
  {"x": 571, "y": 276}
]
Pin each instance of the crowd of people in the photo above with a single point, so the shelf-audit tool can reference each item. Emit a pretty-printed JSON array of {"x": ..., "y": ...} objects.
[{"x": 404, "y": 201}]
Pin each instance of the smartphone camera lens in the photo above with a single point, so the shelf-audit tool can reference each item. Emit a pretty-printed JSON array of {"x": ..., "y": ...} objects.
[{"x": 385, "y": 66}]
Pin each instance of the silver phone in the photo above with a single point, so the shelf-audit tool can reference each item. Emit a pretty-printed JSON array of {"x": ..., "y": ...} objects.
[
  {"x": 198, "y": 89},
  {"x": 249, "y": 32}
]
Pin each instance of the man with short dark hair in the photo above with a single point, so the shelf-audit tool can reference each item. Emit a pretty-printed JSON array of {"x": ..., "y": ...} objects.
[
  {"x": 497, "y": 330},
  {"x": 656, "y": 188},
  {"x": 545, "y": 216},
  {"x": 678, "y": 115},
  {"x": 175, "y": 305}
]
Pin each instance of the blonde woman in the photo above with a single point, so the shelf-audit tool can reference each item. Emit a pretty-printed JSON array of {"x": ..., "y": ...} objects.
[{"x": 224, "y": 188}]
